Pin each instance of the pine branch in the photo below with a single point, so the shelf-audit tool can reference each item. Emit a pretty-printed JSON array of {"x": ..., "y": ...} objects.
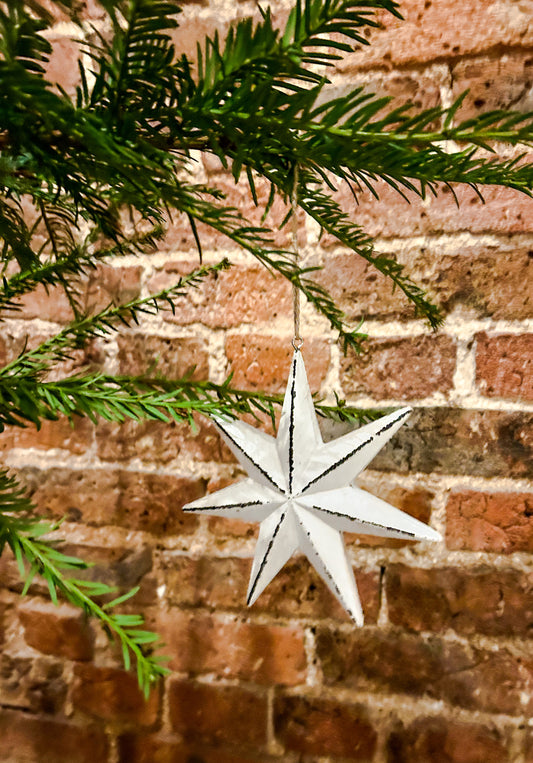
[
  {"x": 73, "y": 264},
  {"x": 36, "y": 554},
  {"x": 34, "y": 363},
  {"x": 117, "y": 398}
]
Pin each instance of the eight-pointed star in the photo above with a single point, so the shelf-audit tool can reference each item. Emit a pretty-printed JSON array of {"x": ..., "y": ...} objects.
[{"x": 299, "y": 489}]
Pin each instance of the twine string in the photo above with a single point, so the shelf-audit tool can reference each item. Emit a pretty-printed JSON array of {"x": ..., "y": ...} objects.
[{"x": 297, "y": 340}]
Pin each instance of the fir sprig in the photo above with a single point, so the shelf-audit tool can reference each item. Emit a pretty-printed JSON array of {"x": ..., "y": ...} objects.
[{"x": 37, "y": 555}]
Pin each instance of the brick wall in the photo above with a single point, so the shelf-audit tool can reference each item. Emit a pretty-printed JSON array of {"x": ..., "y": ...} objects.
[{"x": 442, "y": 671}]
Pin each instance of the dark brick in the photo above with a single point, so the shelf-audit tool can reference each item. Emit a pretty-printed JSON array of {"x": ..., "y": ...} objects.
[
  {"x": 25, "y": 737},
  {"x": 454, "y": 441},
  {"x": 391, "y": 661},
  {"x": 440, "y": 740},
  {"x": 313, "y": 726},
  {"x": 482, "y": 600},
  {"x": 218, "y": 713},
  {"x": 113, "y": 695}
]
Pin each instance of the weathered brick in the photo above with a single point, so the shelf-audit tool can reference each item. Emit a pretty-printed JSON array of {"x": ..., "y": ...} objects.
[
  {"x": 528, "y": 747},
  {"x": 103, "y": 286},
  {"x": 483, "y": 280},
  {"x": 172, "y": 358},
  {"x": 442, "y": 741},
  {"x": 49, "y": 304},
  {"x": 121, "y": 568},
  {"x": 61, "y": 630},
  {"x": 25, "y": 737},
  {"x": 493, "y": 82},
  {"x": 454, "y": 441},
  {"x": 113, "y": 695},
  {"x": 161, "y": 442},
  {"x": 433, "y": 30},
  {"x": 62, "y": 67},
  {"x": 314, "y": 726},
  {"x": 297, "y": 590},
  {"x": 504, "y": 365},
  {"x": 391, "y": 661},
  {"x": 500, "y": 522},
  {"x": 218, "y": 713},
  {"x": 108, "y": 285},
  {"x": 480, "y": 600},
  {"x": 261, "y": 362},
  {"x": 414, "y": 501},
  {"x": 238, "y": 295},
  {"x": 172, "y": 748},
  {"x": 32, "y": 684},
  {"x": 401, "y": 368},
  {"x": 137, "y": 500},
  {"x": 505, "y": 211},
  {"x": 265, "y": 654}
]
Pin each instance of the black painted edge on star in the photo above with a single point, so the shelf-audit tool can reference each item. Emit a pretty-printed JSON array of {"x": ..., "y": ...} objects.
[
  {"x": 259, "y": 468},
  {"x": 334, "y": 466},
  {"x": 327, "y": 572},
  {"x": 265, "y": 557},
  {"x": 291, "y": 423},
  {"x": 244, "y": 504},
  {"x": 363, "y": 522}
]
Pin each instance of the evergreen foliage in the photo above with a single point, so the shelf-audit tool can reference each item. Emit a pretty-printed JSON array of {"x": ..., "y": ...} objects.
[{"x": 123, "y": 150}]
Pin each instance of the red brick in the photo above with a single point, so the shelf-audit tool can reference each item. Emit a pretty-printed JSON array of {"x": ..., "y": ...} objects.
[
  {"x": 137, "y": 500},
  {"x": 113, "y": 695},
  {"x": 238, "y": 295},
  {"x": 61, "y": 630},
  {"x": 504, "y": 365},
  {"x": 218, "y": 713},
  {"x": 500, "y": 522},
  {"x": 314, "y": 726},
  {"x": 415, "y": 501},
  {"x": 260, "y": 362},
  {"x": 481, "y": 600},
  {"x": 24, "y": 737},
  {"x": 161, "y": 442},
  {"x": 390, "y": 661},
  {"x": 32, "y": 684},
  {"x": 265, "y": 654},
  {"x": 440, "y": 740},
  {"x": 483, "y": 280},
  {"x": 297, "y": 590},
  {"x": 433, "y": 30},
  {"x": 454, "y": 441},
  {"x": 172, "y": 358},
  {"x": 76, "y": 438},
  {"x": 400, "y": 368},
  {"x": 493, "y": 82}
]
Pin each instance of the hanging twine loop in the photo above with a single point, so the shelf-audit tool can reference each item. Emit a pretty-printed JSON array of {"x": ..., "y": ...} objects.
[{"x": 297, "y": 340}]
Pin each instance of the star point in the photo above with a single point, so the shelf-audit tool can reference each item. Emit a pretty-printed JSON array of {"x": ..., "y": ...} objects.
[{"x": 299, "y": 490}]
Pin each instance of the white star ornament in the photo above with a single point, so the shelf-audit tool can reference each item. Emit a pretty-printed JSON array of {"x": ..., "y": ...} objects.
[{"x": 299, "y": 489}]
